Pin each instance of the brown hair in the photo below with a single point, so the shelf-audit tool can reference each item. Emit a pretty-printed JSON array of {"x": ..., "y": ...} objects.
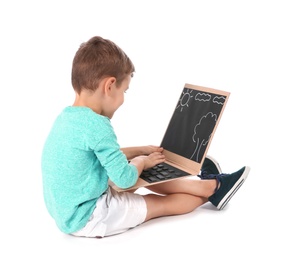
[{"x": 96, "y": 59}]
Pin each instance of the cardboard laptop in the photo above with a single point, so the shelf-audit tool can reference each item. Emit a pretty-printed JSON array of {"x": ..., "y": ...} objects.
[{"x": 188, "y": 135}]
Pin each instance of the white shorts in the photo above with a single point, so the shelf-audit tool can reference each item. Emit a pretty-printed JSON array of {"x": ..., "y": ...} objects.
[{"x": 115, "y": 213}]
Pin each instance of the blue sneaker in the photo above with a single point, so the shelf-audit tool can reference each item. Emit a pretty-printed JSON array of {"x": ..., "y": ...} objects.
[
  {"x": 210, "y": 168},
  {"x": 228, "y": 184}
]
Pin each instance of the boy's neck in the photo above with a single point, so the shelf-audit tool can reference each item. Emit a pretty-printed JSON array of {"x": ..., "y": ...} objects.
[{"x": 88, "y": 100}]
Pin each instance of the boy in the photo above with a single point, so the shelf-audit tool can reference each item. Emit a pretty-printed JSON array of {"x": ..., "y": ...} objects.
[{"x": 81, "y": 154}]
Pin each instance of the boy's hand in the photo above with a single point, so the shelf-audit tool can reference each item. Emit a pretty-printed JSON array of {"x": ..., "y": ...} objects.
[
  {"x": 153, "y": 159},
  {"x": 149, "y": 149},
  {"x": 132, "y": 152},
  {"x": 144, "y": 162}
]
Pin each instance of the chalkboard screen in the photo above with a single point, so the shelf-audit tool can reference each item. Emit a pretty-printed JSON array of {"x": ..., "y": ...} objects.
[{"x": 193, "y": 122}]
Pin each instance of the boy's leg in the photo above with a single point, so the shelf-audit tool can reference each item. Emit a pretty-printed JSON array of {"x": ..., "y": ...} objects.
[
  {"x": 173, "y": 204},
  {"x": 200, "y": 188},
  {"x": 182, "y": 196}
]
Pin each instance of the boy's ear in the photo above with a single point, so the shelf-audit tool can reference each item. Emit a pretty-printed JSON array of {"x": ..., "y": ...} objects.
[{"x": 109, "y": 84}]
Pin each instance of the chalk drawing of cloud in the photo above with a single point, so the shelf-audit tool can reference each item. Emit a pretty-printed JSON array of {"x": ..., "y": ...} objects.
[
  {"x": 203, "y": 97},
  {"x": 219, "y": 100}
]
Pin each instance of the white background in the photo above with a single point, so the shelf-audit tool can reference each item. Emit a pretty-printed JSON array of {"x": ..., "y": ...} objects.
[{"x": 237, "y": 46}]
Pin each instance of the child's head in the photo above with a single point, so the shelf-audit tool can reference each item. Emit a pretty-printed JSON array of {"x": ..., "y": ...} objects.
[{"x": 97, "y": 59}]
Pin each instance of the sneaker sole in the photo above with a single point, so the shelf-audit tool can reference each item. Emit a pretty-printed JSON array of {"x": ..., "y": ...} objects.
[
  {"x": 215, "y": 162},
  {"x": 234, "y": 189}
]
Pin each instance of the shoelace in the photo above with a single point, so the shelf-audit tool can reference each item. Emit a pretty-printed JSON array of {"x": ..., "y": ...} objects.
[
  {"x": 210, "y": 176},
  {"x": 207, "y": 176}
]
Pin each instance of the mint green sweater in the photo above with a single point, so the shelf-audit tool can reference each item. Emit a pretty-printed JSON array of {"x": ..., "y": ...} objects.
[{"x": 79, "y": 156}]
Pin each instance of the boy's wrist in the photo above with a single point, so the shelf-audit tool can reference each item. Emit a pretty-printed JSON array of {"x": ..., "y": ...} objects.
[{"x": 139, "y": 163}]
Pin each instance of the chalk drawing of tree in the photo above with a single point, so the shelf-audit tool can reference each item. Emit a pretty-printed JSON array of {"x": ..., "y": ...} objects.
[{"x": 202, "y": 133}]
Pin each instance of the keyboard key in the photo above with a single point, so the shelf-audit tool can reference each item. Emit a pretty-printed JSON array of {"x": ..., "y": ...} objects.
[
  {"x": 160, "y": 177},
  {"x": 152, "y": 179}
]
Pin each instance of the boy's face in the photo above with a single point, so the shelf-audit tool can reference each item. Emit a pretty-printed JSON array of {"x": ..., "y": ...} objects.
[{"x": 117, "y": 96}]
